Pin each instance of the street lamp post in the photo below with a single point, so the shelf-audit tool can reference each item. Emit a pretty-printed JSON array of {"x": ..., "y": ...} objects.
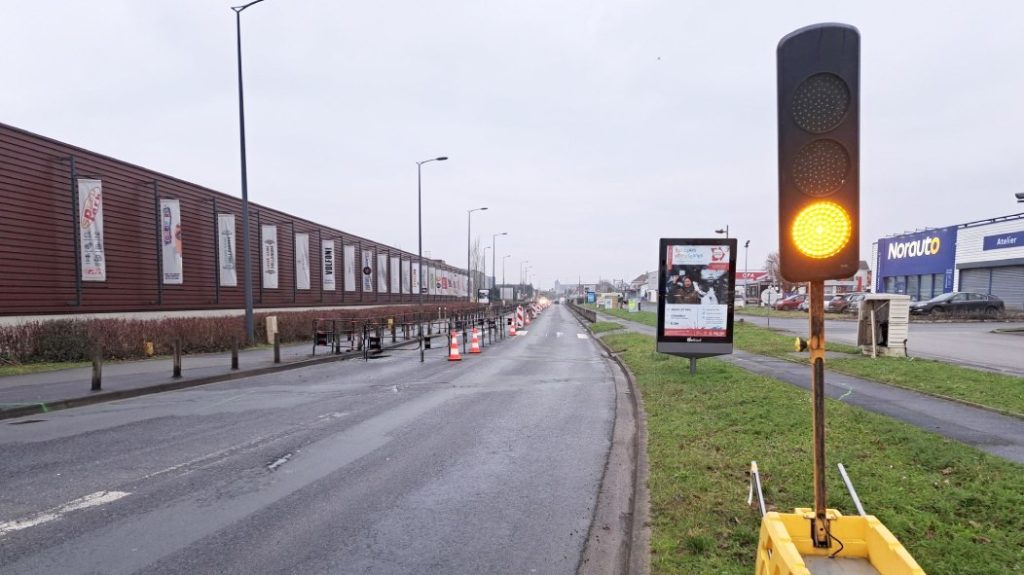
[
  {"x": 725, "y": 231},
  {"x": 250, "y": 326},
  {"x": 746, "y": 271},
  {"x": 485, "y": 268},
  {"x": 494, "y": 252},
  {"x": 469, "y": 264},
  {"x": 419, "y": 219}
]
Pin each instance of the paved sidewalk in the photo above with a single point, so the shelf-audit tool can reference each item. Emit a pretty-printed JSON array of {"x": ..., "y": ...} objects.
[
  {"x": 980, "y": 428},
  {"x": 39, "y": 392}
]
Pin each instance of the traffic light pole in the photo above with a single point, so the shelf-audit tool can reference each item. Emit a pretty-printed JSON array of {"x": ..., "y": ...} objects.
[{"x": 820, "y": 527}]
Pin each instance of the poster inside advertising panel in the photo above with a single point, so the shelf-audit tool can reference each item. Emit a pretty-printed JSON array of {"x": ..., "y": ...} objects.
[
  {"x": 90, "y": 230},
  {"x": 697, "y": 281},
  {"x": 226, "y": 246},
  {"x": 406, "y": 276},
  {"x": 382, "y": 273},
  {"x": 170, "y": 241},
  {"x": 432, "y": 280},
  {"x": 302, "y": 261},
  {"x": 367, "y": 271},
  {"x": 396, "y": 274},
  {"x": 327, "y": 265},
  {"x": 268, "y": 251},
  {"x": 348, "y": 256},
  {"x": 415, "y": 277}
]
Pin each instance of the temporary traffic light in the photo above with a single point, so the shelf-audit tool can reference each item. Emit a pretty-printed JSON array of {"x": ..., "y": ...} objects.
[{"x": 819, "y": 152}]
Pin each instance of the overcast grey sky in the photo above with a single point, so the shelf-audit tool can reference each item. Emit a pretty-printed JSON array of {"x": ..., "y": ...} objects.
[{"x": 590, "y": 129}]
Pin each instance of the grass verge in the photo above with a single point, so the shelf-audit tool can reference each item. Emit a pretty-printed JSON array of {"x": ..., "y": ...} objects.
[
  {"x": 604, "y": 326},
  {"x": 956, "y": 509},
  {"x": 994, "y": 390},
  {"x": 763, "y": 312},
  {"x": 27, "y": 368},
  {"x": 645, "y": 317}
]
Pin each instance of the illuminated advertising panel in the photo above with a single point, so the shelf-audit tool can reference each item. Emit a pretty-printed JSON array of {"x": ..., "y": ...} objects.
[{"x": 697, "y": 285}]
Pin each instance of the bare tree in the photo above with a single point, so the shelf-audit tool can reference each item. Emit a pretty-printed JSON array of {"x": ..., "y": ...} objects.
[{"x": 773, "y": 266}]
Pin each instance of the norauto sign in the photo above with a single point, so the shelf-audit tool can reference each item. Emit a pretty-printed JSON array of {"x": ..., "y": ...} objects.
[
  {"x": 928, "y": 252},
  {"x": 926, "y": 246}
]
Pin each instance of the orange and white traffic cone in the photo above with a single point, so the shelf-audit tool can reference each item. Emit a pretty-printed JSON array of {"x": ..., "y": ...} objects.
[
  {"x": 474, "y": 344},
  {"x": 512, "y": 327},
  {"x": 527, "y": 319},
  {"x": 453, "y": 350}
]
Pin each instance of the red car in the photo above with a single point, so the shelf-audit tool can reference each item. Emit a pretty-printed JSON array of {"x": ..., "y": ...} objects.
[{"x": 790, "y": 303}]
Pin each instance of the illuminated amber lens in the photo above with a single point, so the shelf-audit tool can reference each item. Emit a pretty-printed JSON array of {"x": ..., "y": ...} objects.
[{"x": 821, "y": 230}]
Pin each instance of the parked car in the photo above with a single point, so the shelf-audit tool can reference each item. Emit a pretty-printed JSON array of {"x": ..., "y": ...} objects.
[
  {"x": 844, "y": 303},
  {"x": 964, "y": 303},
  {"x": 837, "y": 304},
  {"x": 790, "y": 303}
]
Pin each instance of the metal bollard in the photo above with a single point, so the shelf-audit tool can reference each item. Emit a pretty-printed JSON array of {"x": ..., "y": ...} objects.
[
  {"x": 277, "y": 347},
  {"x": 97, "y": 368},
  {"x": 234, "y": 353},
  {"x": 177, "y": 359}
]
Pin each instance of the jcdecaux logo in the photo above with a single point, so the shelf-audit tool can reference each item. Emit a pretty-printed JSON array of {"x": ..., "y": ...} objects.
[{"x": 927, "y": 246}]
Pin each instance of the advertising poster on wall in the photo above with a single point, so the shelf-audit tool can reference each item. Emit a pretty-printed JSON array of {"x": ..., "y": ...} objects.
[
  {"x": 367, "y": 271},
  {"x": 432, "y": 280},
  {"x": 226, "y": 247},
  {"x": 90, "y": 230},
  {"x": 415, "y": 277},
  {"x": 406, "y": 277},
  {"x": 348, "y": 256},
  {"x": 697, "y": 279},
  {"x": 396, "y": 274},
  {"x": 302, "y": 261},
  {"x": 382, "y": 273},
  {"x": 268, "y": 251},
  {"x": 327, "y": 265},
  {"x": 170, "y": 241}
]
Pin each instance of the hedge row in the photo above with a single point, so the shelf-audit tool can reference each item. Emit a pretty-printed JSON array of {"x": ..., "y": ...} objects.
[{"x": 73, "y": 339}]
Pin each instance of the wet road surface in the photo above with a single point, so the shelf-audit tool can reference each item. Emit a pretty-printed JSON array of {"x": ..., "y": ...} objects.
[{"x": 488, "y": 465}]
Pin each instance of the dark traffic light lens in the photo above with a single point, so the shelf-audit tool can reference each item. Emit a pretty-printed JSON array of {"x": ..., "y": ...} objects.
[
  {"x": 820, "y": 167},
  {"x": 820, "y": 103}
]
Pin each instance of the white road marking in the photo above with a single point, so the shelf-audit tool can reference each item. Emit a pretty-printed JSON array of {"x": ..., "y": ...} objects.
[
  {"x": 582, "y": 336},
  {"x": 91, "y": 500},
  {"x": 558, "y": 334},
  {"x": 522, "y": 332}
]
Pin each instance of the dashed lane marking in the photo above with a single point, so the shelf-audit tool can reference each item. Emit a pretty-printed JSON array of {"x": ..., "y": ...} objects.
[{"x": 91, "y": 500}]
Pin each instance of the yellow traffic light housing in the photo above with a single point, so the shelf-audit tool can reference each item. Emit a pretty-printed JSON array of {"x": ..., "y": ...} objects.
[{"x": 819, "y": 153}]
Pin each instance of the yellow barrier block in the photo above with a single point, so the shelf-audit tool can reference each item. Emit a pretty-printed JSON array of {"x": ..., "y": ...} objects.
[{"x": 786, "y": 547}]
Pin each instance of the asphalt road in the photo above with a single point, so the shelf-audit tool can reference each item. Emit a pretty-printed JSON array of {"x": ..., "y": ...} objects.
[
  {"x": 970, "y": 343},
  {"x": 489, "y": 465}
]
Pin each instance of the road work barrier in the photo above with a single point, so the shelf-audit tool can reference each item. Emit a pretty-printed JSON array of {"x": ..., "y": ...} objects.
[
  {"x": 787, "y": 548},
  {"x": 453, "y": 349},
  {"x": 474, "y": 346}
]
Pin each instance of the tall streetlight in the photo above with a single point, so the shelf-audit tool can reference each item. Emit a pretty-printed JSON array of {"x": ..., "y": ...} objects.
[
  {"x": 521, "y": 264},
  {"x": 469, "y": 264},
  {"x": 419, "y": 219},
  {"x": 494, "y": 252},
  {"x": 485, "y": 267},
  {"x": 746, "y": 271},
  {"x": 250, "y": 326},
  {"x": 725, "y": 231},
  {"x": 506, "y": 256}
]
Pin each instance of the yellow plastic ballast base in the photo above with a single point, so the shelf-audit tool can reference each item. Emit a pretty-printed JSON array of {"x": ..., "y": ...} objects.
[{"x": 786, "y": 547}]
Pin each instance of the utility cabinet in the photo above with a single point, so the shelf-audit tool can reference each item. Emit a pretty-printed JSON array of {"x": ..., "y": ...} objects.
[{"x": 883, "y": 321}]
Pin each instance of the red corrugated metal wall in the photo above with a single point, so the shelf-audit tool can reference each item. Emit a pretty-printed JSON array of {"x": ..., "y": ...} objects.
[{"x": 37, "y": 240}]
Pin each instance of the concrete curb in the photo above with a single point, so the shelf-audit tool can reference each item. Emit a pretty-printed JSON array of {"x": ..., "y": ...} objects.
[
  {"x": 619, "y": 539},
  {"x": 103, "y": 397}
]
